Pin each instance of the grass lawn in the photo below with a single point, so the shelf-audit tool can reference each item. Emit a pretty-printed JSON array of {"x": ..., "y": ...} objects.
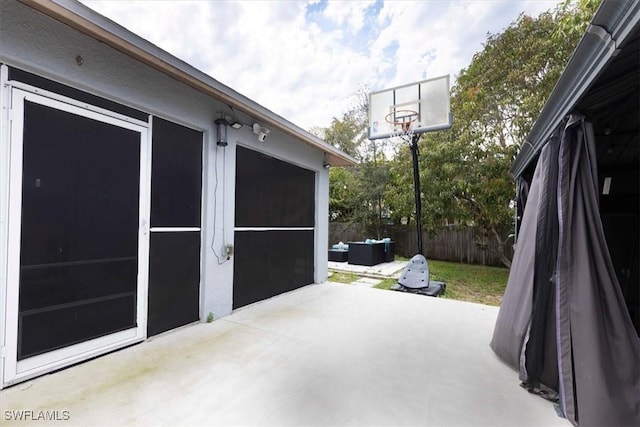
[
  {"x": 340, "y": 277},
  {"x": 465, "y": 282}
]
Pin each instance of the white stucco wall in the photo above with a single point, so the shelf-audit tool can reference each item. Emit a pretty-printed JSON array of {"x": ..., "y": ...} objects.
[
  {"x": 40, "y": 45},
  {"x": 220, "y": 216}
]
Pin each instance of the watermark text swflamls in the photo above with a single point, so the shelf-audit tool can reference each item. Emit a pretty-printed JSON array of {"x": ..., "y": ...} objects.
[{"x": 30, "y": 415}]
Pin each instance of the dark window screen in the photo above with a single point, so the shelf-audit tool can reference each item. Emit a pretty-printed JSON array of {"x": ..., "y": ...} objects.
[
  {"x": 268, "y": 263},
  {"x": 79, "y": 237},
  {"x": 272, "y": 193},
  {"x": 176, "y": 175},
  {"x": 174, "y": 278},
  {"x": 174, "y": 256}
]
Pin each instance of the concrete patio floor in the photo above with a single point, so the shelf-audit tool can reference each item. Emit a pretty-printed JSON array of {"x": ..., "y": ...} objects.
[{"x": 326, "y": 354}]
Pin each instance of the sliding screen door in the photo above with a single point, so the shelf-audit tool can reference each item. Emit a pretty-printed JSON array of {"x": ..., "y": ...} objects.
[{"x": 75, "y": 222}]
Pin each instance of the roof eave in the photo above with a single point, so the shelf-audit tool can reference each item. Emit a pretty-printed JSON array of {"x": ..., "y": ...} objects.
[
  {"x": 610, "y": 25},
  {"x": 96, "y": 26}
]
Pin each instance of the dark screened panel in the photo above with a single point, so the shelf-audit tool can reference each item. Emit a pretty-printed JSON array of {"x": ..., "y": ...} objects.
[
  {"x": 622, "y": 231},
  {"x": 272, "y": 193},
  {"x": 176, "y": 175},
  {"x": 268, "y": 263},
  {"x": 64, "y": 283},
  {"x": 59, "y": 88},
  {"x": 57, "y": 327},
  {"x": 79, "y": 237},
  {"x": 80, "y": 190},
  {"x": 174, "y": 280}
]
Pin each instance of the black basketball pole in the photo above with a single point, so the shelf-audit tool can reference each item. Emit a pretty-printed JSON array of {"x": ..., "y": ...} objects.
[{"x": 416, "y": 184}]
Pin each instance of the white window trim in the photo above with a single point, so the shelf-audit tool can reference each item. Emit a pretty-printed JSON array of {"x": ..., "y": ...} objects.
[
  {"x": 70, "y": 101},
  {"x": 174, "y": 229}
]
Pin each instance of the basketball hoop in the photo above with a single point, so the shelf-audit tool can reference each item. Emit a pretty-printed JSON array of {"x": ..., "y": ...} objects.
[
  {"x": 411, "y": 110},
  {"x": 401, "y": 122}
]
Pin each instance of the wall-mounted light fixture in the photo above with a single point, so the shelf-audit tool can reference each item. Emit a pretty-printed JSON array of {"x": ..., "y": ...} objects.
[{"x": 221, "y": 129}]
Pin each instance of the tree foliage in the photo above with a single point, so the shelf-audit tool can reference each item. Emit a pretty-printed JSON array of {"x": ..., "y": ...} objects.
[
  {"x": 573, "y": 18},
  {"x": 357, "y": 193},
  {"x": 343, "y": 134},
  {"x": 464, "y": 170},
  {"x": 342, "y": 194}
]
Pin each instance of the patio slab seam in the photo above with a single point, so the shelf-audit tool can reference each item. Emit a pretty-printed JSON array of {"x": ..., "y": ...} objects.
[{"x": 256, "y": 328}]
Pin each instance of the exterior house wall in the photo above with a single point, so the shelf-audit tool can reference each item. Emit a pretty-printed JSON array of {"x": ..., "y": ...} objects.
[{"x": 40, "y": 45}]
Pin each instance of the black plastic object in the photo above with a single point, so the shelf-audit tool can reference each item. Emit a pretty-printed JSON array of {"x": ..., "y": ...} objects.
[
  {"x": 79, "y": 237},
  {"x": 371, "y": 253},
  {"x": 435, "y": 289},
  {"x": 415, "y": 279},
  {"x": 389, "y": 251},
  {"x": 338, "y": 255},
  {"x": 368, "y": 254}
]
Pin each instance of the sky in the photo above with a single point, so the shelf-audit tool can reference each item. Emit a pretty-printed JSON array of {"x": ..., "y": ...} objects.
[{"x": 306, "y": 60}]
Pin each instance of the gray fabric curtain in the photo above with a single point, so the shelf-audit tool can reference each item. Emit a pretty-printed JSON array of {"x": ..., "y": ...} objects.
[
  {"x": 514, "y": 316},
  {"x": 564, "y": 325},
  {"x": 598, "y": 347}
]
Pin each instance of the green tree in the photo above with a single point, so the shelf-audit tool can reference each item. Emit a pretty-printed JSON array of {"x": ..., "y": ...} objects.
[
  {"x": 343, "y": 134},
  {"x": 573, "y": 18},
  {"x": 357, "y": 194},
  {"x": 372, "y": 183},
  {"x": 343, "y": 191}
]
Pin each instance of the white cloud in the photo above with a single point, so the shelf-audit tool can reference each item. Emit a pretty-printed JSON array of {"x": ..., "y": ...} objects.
[
  {"x": 303, "y": 60},
  {"x": 349, "y": 14}
]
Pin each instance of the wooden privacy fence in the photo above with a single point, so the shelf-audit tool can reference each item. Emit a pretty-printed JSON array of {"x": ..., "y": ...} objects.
[{"x": 457, "y": 244}]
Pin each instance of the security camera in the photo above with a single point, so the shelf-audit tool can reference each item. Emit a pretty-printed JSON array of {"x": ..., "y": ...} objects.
[{"x": 261, "y": 131}]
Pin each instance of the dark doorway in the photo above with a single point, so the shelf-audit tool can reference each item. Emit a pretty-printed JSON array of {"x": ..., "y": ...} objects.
[{"x": 79, "y": 235}]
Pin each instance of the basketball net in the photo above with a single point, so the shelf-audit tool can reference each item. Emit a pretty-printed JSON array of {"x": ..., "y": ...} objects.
[{"x": 400, "y": 124}]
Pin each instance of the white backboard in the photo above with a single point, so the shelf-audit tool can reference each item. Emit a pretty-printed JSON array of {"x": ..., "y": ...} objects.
[{"x": 425, "y": 103}]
